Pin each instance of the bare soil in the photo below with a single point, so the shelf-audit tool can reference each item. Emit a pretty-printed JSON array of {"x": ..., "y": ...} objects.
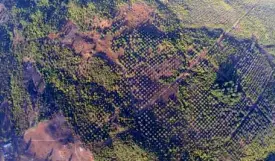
[
  {"x": 53, "y": 140},
  {"x": 88, "y": 43},
  {"x": 136, "y": 14}
]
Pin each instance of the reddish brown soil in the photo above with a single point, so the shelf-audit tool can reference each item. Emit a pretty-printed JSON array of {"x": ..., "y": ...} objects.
[
  {"x": 166, "y": 68},
  {"x": 47, "y": 140},
  {"x": 87, "y": 43},
  {"x": 104, "y": 45},
  {"x": 135, "y": 15},
  {"x": 53, "y": 36},
  {"x": 196, "y": 60},
  {"x": 101, "y": 22},
  {"x": 17, "y": 38}
]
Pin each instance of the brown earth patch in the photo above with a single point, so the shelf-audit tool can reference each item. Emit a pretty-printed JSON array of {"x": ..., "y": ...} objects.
[
  {"x": 88, "y": 43},
  {"x": 135, "y": 14},
  {"x": 92, "y": 42},
  {"x": 164, "y": 69},
  {"x": 101, "y": 22},
  {"x": 17, "y": 38},
  {"x": 202, "y": 55},
  {"x": 53, "y": 36},
  {"x": 53, "y": 140}
]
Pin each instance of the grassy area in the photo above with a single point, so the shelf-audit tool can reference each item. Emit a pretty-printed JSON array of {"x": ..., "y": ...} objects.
[{"x": 124, "y": 151}]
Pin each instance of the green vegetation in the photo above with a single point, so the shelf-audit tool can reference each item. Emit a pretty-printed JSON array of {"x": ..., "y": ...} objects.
[
  {"x": 227, "y": 94},
  {"x": 124, "y": 151},
  {"x": 166, "y": 88},
  {"x": 21, "y": 105},
  {"x": 82, "y": 16},
  {"x": 34, "y": 17}
]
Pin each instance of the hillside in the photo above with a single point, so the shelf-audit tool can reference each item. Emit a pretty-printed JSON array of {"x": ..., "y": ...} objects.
[{"x": 137, "y": 80}]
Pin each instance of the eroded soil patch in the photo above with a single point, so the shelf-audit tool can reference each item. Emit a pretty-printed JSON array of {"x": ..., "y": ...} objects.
[{"x": 54, "y": 140}]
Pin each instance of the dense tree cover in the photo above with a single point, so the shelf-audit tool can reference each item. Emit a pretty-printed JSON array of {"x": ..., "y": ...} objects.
[{"x": 36, "y": 19}]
